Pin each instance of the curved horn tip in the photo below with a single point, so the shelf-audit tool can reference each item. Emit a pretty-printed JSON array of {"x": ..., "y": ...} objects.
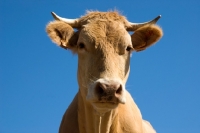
[
  {"x": 157, "y": 18},
  {"x": 54, "y": 16},
  {"x": 52, "y": 13}
]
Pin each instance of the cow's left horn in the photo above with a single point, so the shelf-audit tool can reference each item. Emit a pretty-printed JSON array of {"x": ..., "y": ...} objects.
[
  {"x": 135, "y": 26},
  {"x": 71, "y": 22}
]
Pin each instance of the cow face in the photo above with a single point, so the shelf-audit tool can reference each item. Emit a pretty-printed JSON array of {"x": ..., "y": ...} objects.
[
  {"x": 104, "y": 50},
  {"x": 103, "y": 47}
]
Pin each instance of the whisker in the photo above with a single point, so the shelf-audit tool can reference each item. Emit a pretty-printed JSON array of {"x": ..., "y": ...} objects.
[{"x": 93, "y": 76}]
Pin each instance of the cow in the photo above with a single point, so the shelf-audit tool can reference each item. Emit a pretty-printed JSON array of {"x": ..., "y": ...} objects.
[{"x": 103, "y": 42}]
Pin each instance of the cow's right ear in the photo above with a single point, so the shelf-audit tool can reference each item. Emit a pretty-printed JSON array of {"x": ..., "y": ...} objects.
[{"x": 62, "y": 34}]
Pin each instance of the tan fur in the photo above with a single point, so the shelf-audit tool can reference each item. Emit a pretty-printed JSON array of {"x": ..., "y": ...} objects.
[
  {"x": 60, "y": 33},
  {"x": 108, "y": 16},
  {"x": 146, "y": 36},
  {"x": 101, "y": 44}
]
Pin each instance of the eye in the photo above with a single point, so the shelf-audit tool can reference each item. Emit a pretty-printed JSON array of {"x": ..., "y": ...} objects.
[
  {"x": 81, "y": 45},
  {"x": 129, "y": 48}
]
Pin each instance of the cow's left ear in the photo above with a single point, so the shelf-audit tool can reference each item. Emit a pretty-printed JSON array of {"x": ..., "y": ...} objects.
[{"x": 146, "y": 36}]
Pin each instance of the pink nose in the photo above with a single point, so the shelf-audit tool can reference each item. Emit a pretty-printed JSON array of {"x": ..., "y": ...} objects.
[{"x": 109, "y": 92}]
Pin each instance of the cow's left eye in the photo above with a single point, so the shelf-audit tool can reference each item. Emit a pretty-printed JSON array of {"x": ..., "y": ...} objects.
[{"x": 129, "y": 48}]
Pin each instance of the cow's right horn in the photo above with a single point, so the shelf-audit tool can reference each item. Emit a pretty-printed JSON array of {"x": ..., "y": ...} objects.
[{"x": 71, "y": 22}]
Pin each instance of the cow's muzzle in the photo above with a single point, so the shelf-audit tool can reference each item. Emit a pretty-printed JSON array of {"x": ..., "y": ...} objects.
[
  {"x": 109, "y": 91},
  {"x": 106, "y": 94}
]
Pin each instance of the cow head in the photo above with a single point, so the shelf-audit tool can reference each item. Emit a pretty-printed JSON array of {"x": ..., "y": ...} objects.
[{"x": 104, "y": 45}]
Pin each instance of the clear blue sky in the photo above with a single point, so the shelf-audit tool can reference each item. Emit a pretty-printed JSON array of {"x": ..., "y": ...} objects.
[{"x": 38, "y": 79}]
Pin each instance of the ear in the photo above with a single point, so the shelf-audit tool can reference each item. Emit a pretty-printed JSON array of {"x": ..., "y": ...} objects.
[
  {"x": 146, "y": 36},
  {"x": 62, "y": 34}
]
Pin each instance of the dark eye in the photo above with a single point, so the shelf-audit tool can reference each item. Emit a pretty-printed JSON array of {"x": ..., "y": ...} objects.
[
  {"x": 129, "y": 48},
  {"x": 81, "y": 45}
]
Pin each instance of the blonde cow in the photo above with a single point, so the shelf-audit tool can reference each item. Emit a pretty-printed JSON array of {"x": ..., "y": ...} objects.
[{"x": 103, "y": 45}]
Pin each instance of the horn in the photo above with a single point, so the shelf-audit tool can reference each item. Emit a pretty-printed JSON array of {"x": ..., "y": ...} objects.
[
  {"x": 135, "y": 26},
  {"x": 71, "y": 22}
]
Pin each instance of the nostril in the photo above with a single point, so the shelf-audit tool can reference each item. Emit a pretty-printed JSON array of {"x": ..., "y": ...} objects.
[
  {"x": 119, "y": 90},
  {"x": 99, "y": 89}
]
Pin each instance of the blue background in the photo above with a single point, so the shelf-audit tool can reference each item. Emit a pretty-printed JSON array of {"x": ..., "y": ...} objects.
[{"x": 38, "y": 79}]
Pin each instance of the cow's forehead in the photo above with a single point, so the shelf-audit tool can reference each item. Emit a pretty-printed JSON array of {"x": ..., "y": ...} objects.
[
  {"x": 106, "y": 16},
  {"x": 105, "y": 32}
]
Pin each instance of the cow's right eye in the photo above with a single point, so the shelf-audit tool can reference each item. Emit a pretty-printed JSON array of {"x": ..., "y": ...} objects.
[{"x": 81, "y": 45}]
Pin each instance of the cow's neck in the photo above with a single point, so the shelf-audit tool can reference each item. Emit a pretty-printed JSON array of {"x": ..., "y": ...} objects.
[{"x": 89, "y": 120}]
